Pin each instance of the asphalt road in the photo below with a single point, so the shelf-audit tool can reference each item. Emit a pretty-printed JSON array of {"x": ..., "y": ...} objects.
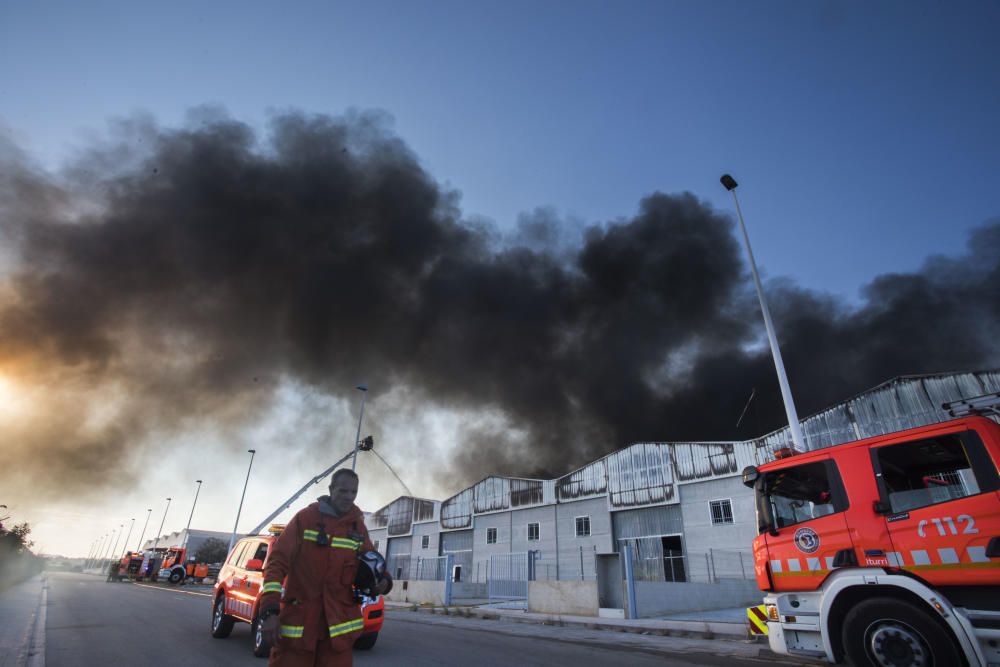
[{"x": 90, "y": 622}]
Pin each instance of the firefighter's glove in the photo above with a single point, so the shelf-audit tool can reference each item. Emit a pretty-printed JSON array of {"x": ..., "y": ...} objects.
[{"x": 270, "y": 629}]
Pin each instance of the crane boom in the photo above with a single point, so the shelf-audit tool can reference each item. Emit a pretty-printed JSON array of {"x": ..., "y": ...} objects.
[{"x": 288, "y": 503}]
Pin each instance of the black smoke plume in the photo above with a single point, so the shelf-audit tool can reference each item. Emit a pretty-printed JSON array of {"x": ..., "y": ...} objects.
[{"x": 170, "y": 277}]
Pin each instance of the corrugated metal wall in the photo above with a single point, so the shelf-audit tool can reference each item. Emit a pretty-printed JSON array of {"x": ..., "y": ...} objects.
[
  {"x": 647, "y": 522},
  {"x": 491, "y": 494},
  {"x": 589, "y": 481},
  {"x": 640, "y": 475},
  {"x": 456, "y": 512},
  {"x": 902, "y": 403}
]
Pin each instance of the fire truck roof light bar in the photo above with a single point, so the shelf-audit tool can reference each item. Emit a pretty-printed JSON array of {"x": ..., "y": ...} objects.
[{"x": 985, "y": 404}]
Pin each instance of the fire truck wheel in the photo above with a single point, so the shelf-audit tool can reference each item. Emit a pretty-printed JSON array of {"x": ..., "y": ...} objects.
[
  {"x": 366, "y": 642},
  {"x": 222, "y": 623},
  {"x": 884, "y": 632},
  {"x": 176, "y": 576},
  {"x": 261, "y": 647}
]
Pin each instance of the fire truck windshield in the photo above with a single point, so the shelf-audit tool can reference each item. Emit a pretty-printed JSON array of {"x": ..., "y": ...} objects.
[{"x": 800, "y": 493}]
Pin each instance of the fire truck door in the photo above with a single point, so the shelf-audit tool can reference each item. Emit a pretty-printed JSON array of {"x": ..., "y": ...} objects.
[
  {"x": 808, "y": 503},
  {"x": 941, "y": 507}
]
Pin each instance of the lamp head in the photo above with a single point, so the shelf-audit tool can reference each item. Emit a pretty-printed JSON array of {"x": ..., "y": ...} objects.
[{"x": 728, "y": 182}]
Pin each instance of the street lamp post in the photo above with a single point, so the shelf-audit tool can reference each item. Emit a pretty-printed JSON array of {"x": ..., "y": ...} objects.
[
  {"x": 191, "y": 516},
  {"x": 104, "y": 556},
  {"x": 114, "y": 549},
  {"x": 125, "y": 543},
  {"x": 149, "y": 512},
  {"x": 363, "y": 388},
  {"x": 729, "y": 183},
  {"x": 156, "y": 542},
  {"x": 232, "y": 538},
  {"x": 97, "y": 551},
  {"x": 93, "y": 552}
]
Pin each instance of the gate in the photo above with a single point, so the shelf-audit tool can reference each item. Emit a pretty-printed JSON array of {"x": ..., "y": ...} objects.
[{"x": 509, "y": 575}]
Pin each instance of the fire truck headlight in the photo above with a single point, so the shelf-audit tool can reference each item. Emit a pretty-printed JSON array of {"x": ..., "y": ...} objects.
[{"x": 772, "y": 612}]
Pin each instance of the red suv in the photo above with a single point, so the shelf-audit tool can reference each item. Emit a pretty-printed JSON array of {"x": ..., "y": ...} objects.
[{"x": 236, "y": 596}]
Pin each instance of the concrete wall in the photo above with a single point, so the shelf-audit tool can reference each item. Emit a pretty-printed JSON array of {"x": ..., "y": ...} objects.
[
  {"x": 418, "y": 592},
  {"x": 571, "y": 598},
  {"x": 468, "y": 590},
  {"x": 663, "y": 598},
  {"x": 600, "y": 540}
]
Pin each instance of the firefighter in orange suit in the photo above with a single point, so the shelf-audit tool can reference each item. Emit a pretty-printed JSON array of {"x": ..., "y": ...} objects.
[{"x": 315, "y": 559}]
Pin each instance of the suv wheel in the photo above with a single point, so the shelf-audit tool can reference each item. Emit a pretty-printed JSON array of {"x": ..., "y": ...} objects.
[
  {"x": 261, "y": 647},
  {"x": 222, "y": 623},
  {"x": 366, "y": 642}
]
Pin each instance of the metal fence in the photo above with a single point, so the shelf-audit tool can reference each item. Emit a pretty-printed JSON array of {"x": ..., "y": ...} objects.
[
  {"x": 434, "y": 568},
  {"x": 508, "y": 576},
  {"x": 578, "y": 565},
  {"x": 653, "y": 562}
]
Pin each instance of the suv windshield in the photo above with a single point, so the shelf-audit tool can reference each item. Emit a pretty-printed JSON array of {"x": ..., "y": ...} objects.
[{"x": 805, "y": 492}]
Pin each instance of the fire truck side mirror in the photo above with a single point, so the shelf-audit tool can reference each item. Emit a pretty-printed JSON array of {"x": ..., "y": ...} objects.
[
  {"x": 881, "y": 507},
  {"x": 750, "y": 475}
]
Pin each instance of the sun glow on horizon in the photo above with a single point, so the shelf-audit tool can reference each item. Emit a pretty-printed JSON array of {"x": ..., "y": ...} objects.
[{"x": 13, "y": 399}]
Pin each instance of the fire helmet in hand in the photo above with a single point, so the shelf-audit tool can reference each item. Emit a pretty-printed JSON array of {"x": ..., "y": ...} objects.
[{"x": 371, "y": 571}]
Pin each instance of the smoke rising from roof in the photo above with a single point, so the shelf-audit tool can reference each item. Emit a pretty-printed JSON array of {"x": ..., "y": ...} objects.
[{"x": 173, "y": 277}]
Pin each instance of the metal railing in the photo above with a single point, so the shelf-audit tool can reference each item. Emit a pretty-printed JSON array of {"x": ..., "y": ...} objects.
[
  {"x": 432, "y": 568},
  {"x": 652, "y": 562},
  {"x": 509, "y": 575}
]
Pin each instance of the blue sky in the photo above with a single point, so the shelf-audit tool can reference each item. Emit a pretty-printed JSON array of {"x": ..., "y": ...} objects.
[{"x": 863, "y": 135}]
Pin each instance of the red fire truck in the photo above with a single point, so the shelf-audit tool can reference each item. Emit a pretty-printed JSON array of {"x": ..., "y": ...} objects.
[
  {"x": 175, "y": 570},
  {"x": 886, "y": 551}
]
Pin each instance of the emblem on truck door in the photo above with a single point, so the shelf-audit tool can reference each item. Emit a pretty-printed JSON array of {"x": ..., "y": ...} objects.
[{"x": 806, "y": 540}]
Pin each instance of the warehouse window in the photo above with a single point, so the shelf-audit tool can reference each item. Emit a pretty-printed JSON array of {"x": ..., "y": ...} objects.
[
  {"x": 583, "y": 526},
  {"x": 425, "y": 541},
  {"x": 491, "y": 536},
  {"x": 722, "y": 511},
  {"x": 532, "y": 532}
]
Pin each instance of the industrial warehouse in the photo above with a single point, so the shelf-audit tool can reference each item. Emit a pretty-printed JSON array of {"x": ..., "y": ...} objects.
[{"x": 674, "y": 518}]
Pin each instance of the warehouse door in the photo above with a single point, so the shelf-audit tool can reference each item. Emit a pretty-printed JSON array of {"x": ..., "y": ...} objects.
[
  {"x": 610, "y": 581},
  {"x": 397, "y": 557},
  {"x": 459, "y": 545}
]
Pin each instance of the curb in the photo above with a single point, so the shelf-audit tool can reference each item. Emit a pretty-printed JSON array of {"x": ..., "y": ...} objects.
[{"x": 665, "y": 628}]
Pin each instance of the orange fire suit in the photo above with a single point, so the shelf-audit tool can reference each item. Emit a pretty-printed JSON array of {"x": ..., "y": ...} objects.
[{"x": 311, "y": 570}]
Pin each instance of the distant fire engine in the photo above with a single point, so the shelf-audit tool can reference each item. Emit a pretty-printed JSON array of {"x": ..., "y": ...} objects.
[{"x": 886, "y": 551}]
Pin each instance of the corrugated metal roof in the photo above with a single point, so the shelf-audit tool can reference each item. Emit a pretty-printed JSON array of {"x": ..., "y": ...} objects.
[
  {"x": 644, "y": 474},
  {"x": 901, "y": 403}
]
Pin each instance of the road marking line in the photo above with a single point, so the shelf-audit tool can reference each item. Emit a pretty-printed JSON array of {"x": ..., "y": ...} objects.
[{"x": 169, "y": 590}]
